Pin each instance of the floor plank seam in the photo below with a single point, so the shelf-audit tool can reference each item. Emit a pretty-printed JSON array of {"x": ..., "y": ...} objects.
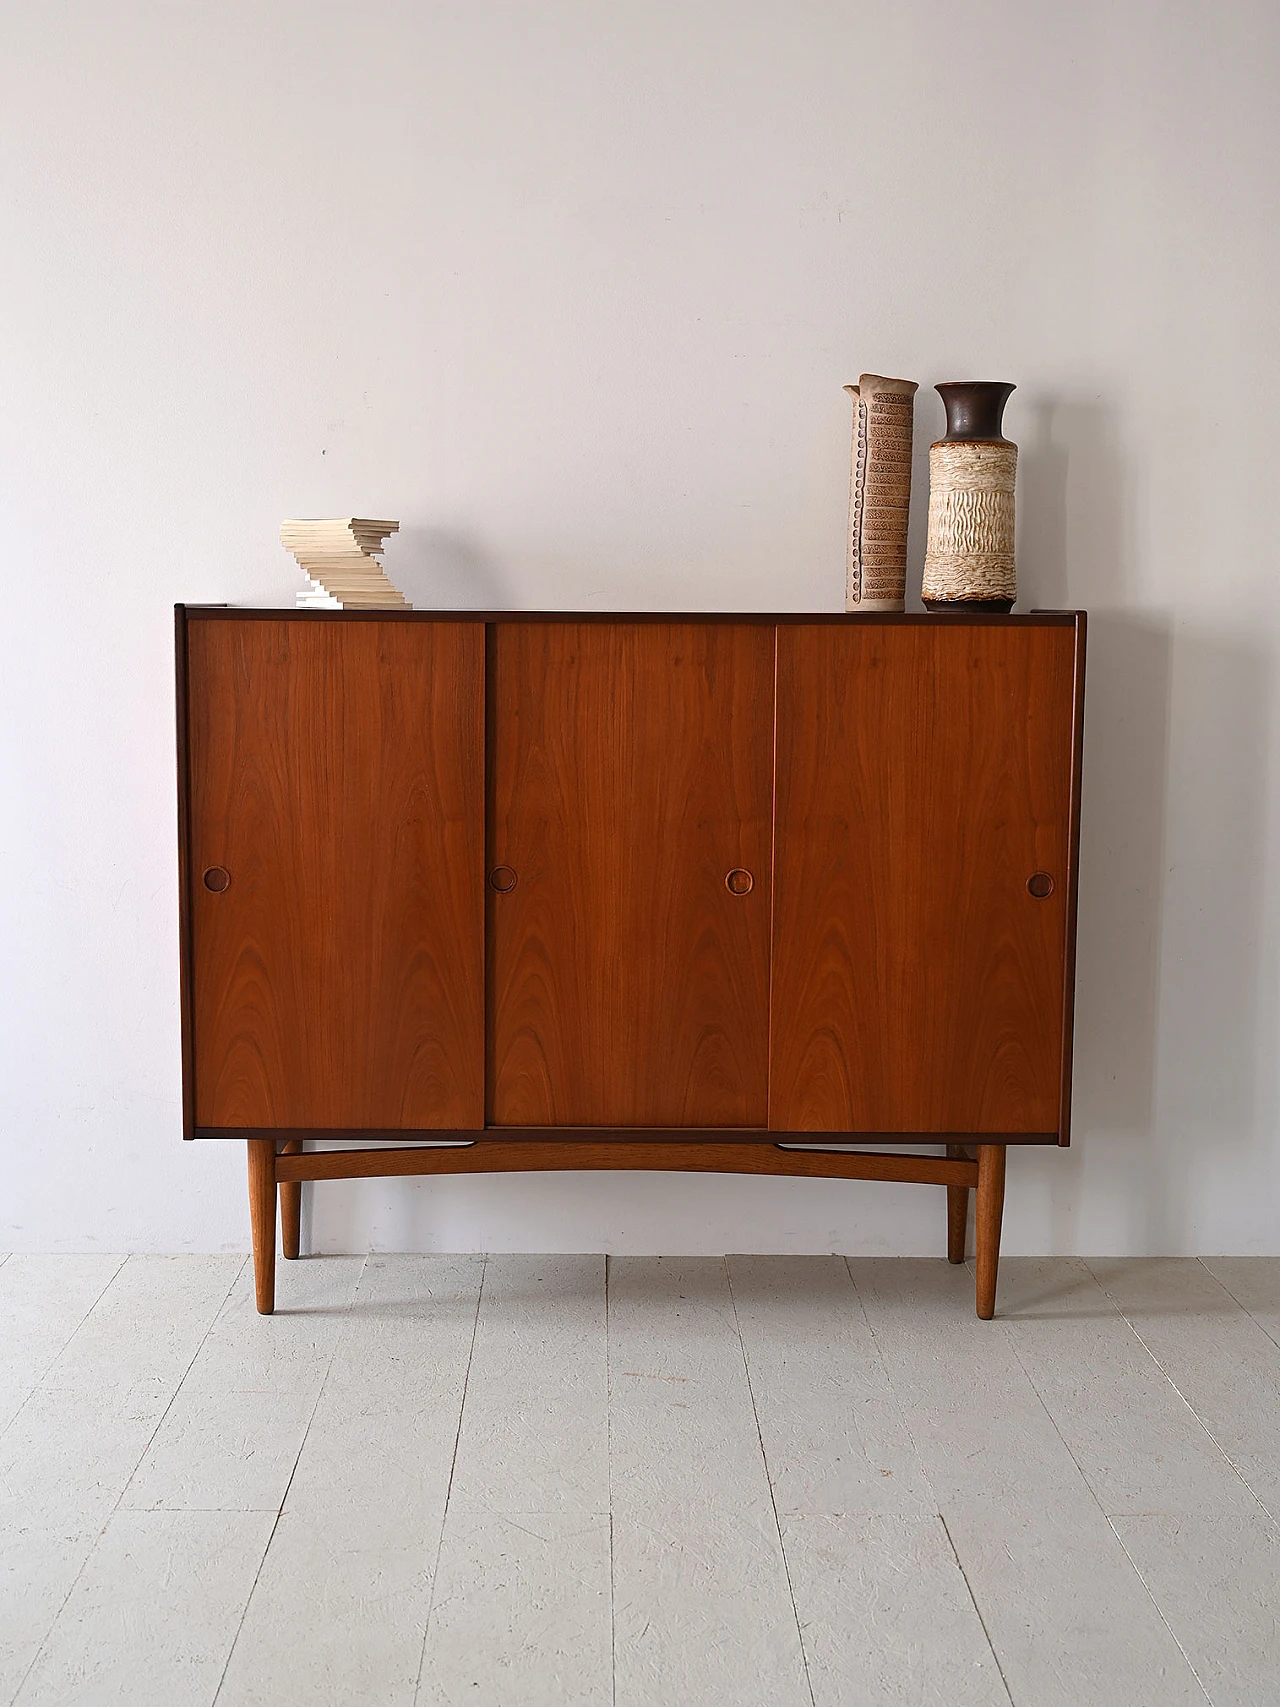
[
  {"x": 1272, "y": 1518},
  {"x": 1138, "y": 1571},
  {"x": 933, "y": 1492},
  {"x": 973, "y": 1601},
  {"x": 889, "y": 1383},
  {"x": 262, "y": 1559},
  {"x": 1097, "y": 1500},
  {"x": 453, "y": 1465},
  {"x": 84, "y": 1563},
  {"x": 773, "y": 1498},
  {"x": 43, "y": 1376},
  {"x": 1230, "y": 1294}
]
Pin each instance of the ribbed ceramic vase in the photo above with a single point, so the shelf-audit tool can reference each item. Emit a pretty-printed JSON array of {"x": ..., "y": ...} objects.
[
  {"x": 968, "y": 560},
  {"x": 879, "y": 493}
]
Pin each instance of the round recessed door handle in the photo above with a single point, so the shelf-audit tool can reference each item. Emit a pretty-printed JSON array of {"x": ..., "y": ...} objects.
[
  {"x": 1040, "y": 884},
  {"x": 503, "y": 879},
  {"x": 217, "y": 878},
  {"x": 739, "y": 882}
]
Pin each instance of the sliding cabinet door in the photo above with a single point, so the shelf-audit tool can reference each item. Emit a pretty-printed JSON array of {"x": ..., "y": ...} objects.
[
  {"x": 336, "y": 880},
  {"x": 629, "y": 854},
  {"x": 922, "y": 877}
]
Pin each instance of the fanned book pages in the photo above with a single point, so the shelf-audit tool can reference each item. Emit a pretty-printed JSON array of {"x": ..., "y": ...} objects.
[{"x": 338, "y": 557}]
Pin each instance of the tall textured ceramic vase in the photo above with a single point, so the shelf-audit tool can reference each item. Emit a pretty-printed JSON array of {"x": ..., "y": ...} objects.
[
  {"x": 879, "y": 492},
  {"x": 968, "y": 560}
]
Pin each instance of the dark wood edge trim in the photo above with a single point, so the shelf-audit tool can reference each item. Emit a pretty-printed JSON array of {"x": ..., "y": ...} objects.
[
  {"x": 1073, "y": 878},
  {"x": 496, "y": 1156},
  {"x": 255, "y": 613},
  {"x": 773, "y": 884},
  {"x": 490, "y": 791},
  {"x": 571, "y": 1135},
  {"x": 186, "y": 972}
]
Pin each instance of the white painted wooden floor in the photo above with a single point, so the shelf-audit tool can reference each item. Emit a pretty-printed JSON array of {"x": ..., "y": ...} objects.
[{"x": 773, "y": 1481}]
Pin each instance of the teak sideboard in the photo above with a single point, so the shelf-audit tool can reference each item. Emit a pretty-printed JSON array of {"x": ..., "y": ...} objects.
[{"x": 701, "y": 893}]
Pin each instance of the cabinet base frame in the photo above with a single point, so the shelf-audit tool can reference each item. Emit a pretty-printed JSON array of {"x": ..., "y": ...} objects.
[{"x": 284, "y": 1168}]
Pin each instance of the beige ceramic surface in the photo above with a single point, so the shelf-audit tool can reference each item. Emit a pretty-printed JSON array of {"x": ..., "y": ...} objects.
[
  {"x": 969, "y": 552},
  {"x": 879, "y": 493}
]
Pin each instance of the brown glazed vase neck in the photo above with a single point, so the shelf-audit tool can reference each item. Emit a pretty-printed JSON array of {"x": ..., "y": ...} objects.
[{"x": 975, "y": 409}]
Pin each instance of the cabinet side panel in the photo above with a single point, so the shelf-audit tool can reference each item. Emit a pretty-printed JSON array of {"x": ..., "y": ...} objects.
[
  {"x": 630, "y": 774},
  {"x": 337, "y": 776},
  {"x": 184, "y": 875},
  {"x": 924, "y": 775},
  {"x": 1073, "y": 882}
]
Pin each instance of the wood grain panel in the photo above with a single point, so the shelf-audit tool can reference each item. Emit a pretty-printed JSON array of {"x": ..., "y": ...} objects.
[
  {"x": 337, "y": 774},
  {"x": 497, "y": 1155},
  {"x": 630, "y": 772},
  {"x": 923, "y": 775}
]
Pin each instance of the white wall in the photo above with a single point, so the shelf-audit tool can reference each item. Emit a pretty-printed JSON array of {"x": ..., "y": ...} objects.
[{"x": 572, "y": 288}]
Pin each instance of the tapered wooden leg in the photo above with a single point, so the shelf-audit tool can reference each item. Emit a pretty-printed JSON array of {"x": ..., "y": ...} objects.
[
  {"x": 262, "y": 1217},
  {"x": 990, "y": 1213},
  {"x": 291, "y": 1205},
  {"x": 957, "y": 1209}
]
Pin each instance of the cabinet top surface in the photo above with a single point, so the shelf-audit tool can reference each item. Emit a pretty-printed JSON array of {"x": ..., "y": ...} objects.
[{"x": 252, "y": 612}]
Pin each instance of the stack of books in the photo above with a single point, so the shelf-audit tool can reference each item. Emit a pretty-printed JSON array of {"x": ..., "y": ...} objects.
[{"x": 338, "y": 558}]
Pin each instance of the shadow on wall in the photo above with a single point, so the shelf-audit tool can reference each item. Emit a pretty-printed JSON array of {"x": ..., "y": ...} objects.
[
  {"x": 1216, "y": 993},
  {"x": 1172, "y": 999},
  {"x": 1175, "y": 758},
  {"x": 1075, "y": 548},
  {"x": 439, "y": 570}
]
